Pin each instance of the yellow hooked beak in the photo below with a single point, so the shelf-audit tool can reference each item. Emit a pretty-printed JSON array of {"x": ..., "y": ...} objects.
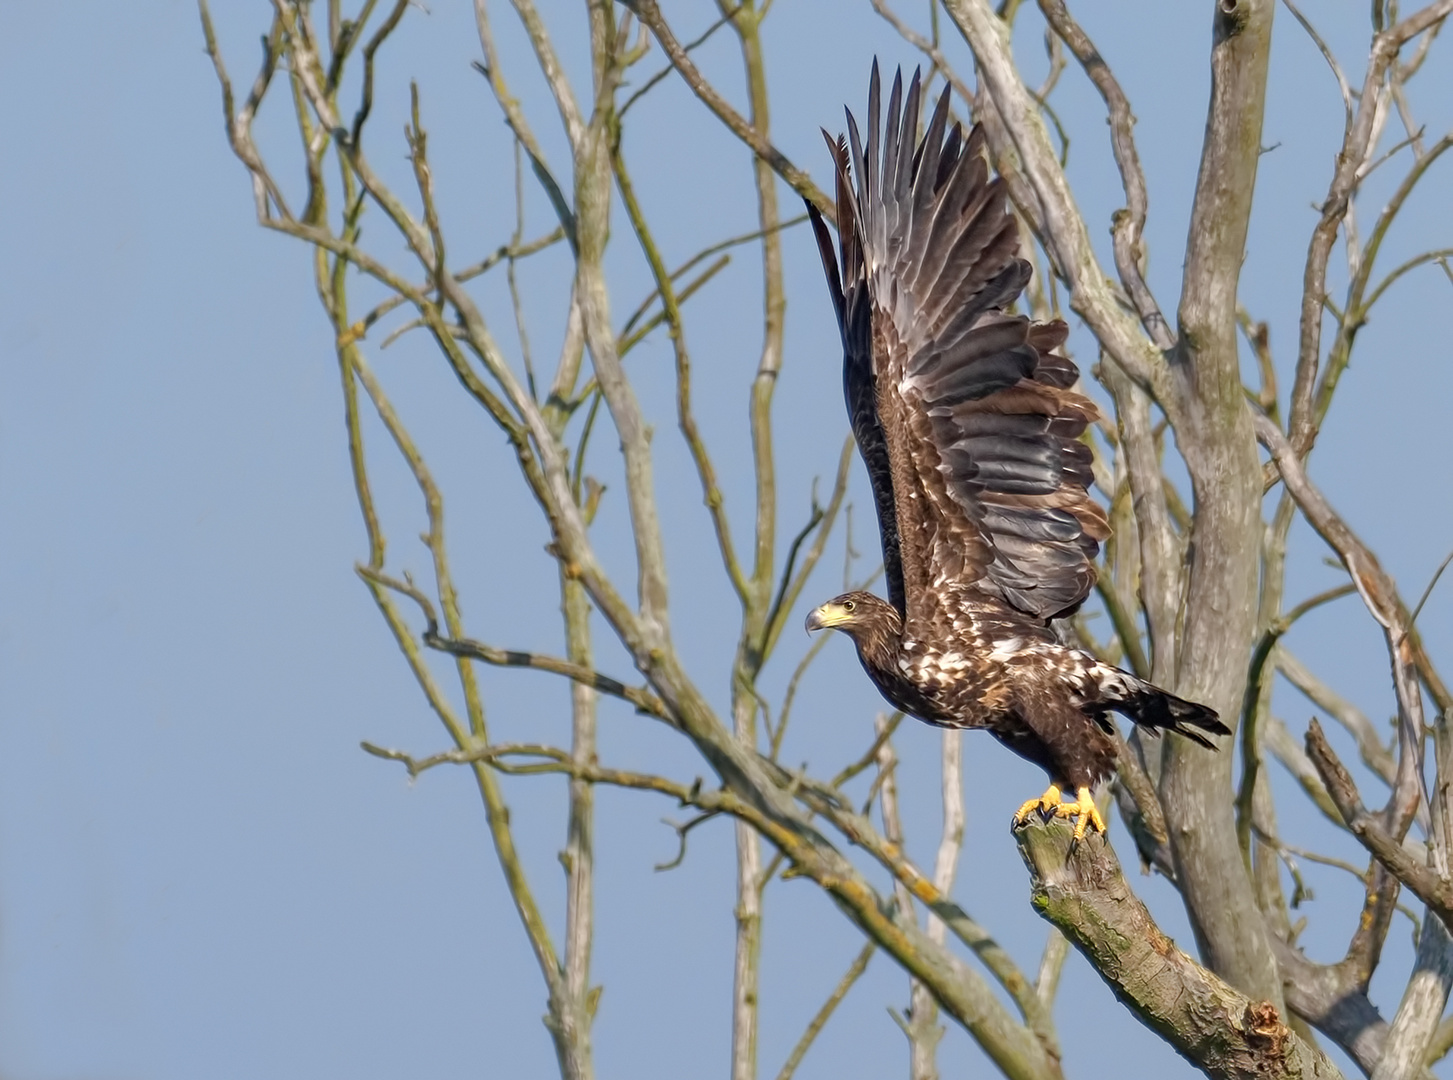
[{"x": 827, "y": 616}]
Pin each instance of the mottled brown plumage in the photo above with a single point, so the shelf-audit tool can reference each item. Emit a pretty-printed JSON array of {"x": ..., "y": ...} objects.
[{"x": 970, "y": 428}]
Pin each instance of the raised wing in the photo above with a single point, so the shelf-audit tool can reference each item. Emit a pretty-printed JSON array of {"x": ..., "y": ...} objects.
[
  {"x": 854, "y": 313},
  {"x": 963, "y": 413}
]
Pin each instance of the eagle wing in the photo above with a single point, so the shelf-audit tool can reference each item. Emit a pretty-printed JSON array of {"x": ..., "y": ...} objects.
[{"x": 963, "y": 414}]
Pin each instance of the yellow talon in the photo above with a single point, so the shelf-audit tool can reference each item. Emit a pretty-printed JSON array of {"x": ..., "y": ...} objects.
[
  {"x": 1048, "y": 803},
  {"x": 1083, "y": 808}
]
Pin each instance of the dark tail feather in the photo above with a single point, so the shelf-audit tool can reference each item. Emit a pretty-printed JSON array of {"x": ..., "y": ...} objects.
[{"x": 1156, "y": 710}]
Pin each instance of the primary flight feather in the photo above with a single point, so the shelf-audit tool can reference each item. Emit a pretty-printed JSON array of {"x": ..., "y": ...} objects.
[{"x": 970, "y": 429}]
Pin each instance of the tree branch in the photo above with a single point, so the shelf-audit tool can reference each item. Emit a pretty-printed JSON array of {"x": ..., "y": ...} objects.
[
  {"x": 1062, "y": 227},
  {"x": 1129, "y": 223},
  {"x": 1380, "y": 595},
  {"x": 1357, "y": 146},
  {"x": 1423, "y": 882},
  {"x": 1081, "y": 890},
  {"x": 1424, "y": 999},
  {"x": 685, "y": 417},
  {"x": 581, "y": 674},
  {"x": 650, "y": 15}
]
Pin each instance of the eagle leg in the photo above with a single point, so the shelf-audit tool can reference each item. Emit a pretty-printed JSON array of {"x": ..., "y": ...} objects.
[
  {"x": 1048, "y": 803},
  {"x": 1084, "y": 808}
]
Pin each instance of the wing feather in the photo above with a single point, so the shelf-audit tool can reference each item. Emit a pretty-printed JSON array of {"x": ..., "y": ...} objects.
[
  {"x": 964, "y": 414},
  {"x": 850, "y": 300}
]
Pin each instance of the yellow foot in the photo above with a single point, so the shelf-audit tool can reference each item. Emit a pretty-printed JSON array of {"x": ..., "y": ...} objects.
[
  {"x": 1048, "y": 803},
  {"x": 1083, "y": 808}
]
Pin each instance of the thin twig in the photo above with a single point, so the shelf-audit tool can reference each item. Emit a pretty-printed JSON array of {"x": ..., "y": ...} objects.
[
  {"x": 791, "y": 584},
  {"x": 1129, "y": 224},
  {"x": 686, "y": 419},
  {"x": 644, "y": 701},
  {"x": 884, "y": 733},
  {"x": 821, "y": 1017},
  {"x": 1370, "y": 746},
  {"x": 1250, "y": 710},
  {"x": 1343, "y": 87},
  {"x": 699, "y": 40},
  {"x": 1357, "y": 145},
  {"x": 650, "y": 15},
  {"x": 701, "y": 256},
  {"x": 1380, "y": 595}
]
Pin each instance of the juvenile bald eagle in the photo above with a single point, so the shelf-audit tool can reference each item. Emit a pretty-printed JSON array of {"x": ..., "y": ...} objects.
[{"x": 970, "y": 429}]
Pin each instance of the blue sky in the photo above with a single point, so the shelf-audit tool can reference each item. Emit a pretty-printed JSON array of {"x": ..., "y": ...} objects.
[{"x": 200, "y": 873}]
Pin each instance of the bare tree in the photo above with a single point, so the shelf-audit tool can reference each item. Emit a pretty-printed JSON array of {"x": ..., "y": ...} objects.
[{"x": 1192, "y": 587}]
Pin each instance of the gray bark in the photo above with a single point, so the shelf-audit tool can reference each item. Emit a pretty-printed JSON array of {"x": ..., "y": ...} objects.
[{"x": 1216, "y": 437}]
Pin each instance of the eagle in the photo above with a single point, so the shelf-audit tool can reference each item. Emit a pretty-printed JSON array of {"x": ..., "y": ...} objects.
[{"x": 971, "y": 430}]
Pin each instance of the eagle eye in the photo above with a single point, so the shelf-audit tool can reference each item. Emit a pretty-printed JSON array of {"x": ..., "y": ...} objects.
[{"x": 848, "y": 605}]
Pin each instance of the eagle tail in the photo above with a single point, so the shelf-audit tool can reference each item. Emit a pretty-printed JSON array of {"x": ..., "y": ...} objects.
[{"x": 1157, "y": 710}]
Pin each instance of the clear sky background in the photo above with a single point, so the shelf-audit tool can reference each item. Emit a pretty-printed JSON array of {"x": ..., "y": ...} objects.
[{"x": 201, "y": 875}]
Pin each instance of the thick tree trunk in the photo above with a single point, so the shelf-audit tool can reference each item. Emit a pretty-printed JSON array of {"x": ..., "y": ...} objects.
[{"x": 1215, "y": 435}]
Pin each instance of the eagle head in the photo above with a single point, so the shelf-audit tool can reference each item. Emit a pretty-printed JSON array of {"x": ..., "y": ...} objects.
[{"x": 855, "y": 614}]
